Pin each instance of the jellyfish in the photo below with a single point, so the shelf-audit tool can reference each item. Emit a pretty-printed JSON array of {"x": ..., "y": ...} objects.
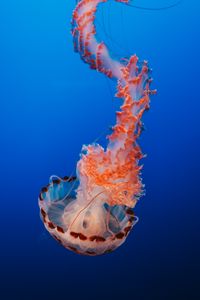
[{"x": 93, "y": 213}]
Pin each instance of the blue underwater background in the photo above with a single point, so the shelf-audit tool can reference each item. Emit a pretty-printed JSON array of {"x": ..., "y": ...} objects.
[{"x": 52, "y": 104}]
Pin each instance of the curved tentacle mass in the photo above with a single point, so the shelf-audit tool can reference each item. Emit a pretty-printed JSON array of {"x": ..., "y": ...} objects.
[
  {"x": 93, "y": 215},
  {"x": 115, "y": 169}
]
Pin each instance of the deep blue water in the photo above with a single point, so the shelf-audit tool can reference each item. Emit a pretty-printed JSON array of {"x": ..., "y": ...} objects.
[{"x": 52, "y": 103}]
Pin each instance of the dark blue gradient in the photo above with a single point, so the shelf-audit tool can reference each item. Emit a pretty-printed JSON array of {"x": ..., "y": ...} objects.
[{"x": 52, "y": 103}]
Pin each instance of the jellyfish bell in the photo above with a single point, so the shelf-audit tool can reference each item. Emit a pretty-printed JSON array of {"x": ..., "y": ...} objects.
[{"x": 86, "y": 227}]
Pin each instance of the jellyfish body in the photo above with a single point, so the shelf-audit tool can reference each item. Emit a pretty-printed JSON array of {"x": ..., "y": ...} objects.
[
  {"x": 93, "y": 214},
  {"x": 91, "y": 229}
]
